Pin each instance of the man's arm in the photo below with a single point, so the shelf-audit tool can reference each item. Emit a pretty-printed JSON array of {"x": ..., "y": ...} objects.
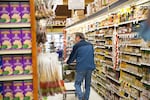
[{"x": 72, "y": 56}]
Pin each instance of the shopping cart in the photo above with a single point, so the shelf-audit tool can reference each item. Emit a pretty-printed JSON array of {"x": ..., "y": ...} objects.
[{"x": 69, "y": 78}]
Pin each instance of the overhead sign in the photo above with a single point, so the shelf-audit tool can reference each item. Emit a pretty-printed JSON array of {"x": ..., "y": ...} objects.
[{"x": 76, "y": 4}]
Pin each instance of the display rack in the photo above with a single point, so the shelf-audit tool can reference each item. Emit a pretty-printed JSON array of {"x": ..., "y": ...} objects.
[
  {"x": 32, "y": 52},
  {"x": 115, "y": 64}
]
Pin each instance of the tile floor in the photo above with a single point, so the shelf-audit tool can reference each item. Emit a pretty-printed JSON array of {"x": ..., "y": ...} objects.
[{"x": 93, "y": 96}]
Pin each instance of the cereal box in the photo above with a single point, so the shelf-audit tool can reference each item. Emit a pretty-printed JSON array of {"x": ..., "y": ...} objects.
[
  {"x": 0, "y": 40},
  {"x": 15, "y": 12},
  {"x": 16, "y": 38},
  {"x": 8, "y": 91},
  {"x": 6, "y": 39},
  {"x": 25, "y": 12},
  {"x": 4, "y": 12},
  {"x": 1, "y": 91},
  {"x": 1, "y": 66},
  {"x": 28, "y": 90},
  {"x": 17, "y": 65},
  {"x": 18, "y": 90},
  {"x": 26, "y": 38},
  {"x": 7, "y": 65},
  {"x": 27, "y": 63}
]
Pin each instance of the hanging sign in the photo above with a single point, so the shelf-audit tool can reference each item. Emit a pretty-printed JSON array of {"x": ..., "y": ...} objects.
[{"x": 76, "y": 4}]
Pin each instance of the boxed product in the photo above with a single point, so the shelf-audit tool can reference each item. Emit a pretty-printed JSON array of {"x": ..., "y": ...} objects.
[
  {"x": 18, "y": 65},
  {"x": 7, "y": 91},
  {"x": 4, "y": 12},
  {"x": 15, "y": 12},
  {"x": 25, "y": 12},
  {"x": 7, "y": 65},
  {"x": 1, "y": 91},
  {"x": 79, "y": 12},
  {"x": 26, "y": 38},
  {"x": 27, "y": 64},
  {"x": 16, "y": 38},
  {"x": 6, "y": 39},
  {"x": 1, "y": 67},
  {"x": 28, "y": 90},
  {"x": 18, "y": 90}
]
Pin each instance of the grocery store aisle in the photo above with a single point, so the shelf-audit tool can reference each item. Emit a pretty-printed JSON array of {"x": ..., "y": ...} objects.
[{"x": 93, "y": 96}]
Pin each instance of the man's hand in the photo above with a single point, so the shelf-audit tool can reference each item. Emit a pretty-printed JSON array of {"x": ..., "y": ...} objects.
[{"x": 65, "y": 61}]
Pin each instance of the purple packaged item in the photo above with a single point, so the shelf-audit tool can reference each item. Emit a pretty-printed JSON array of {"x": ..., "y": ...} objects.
[
  {"x": 25, "y": 12},
  {"x": 6, "y": 39},
  {"x": 1, "y": 91},
  {"x": 16, "y": 38},
  {"x": 7, "y": 65},
  {"x": 28, "y": 90},
  {"x": 1, "y": 66},
  {"x": 18, "y": 90},
  {"x": 27, "y": 64},
  {"x": 4, "y": 12},
  {"x": 17, "y": 65},
  {"x": 26, "y": 38},
  {"x": 15, "y": 12},
  {"x": 8, "y": 91}
]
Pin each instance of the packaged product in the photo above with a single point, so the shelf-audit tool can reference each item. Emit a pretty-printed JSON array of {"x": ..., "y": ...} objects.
[
  {"x": 27, "y": 64},
  {"x": 25, "y": 12},
  {"x": 1, "y": 91},
  {"x": 18, "y": 90},
  {"x": 18, "y": 65},
  {"x": 7, "y": 91},
  {"x": 1, "y": 67},
  {"x": 4, "y": 12},
  {"x": 7, "y": 65},
  {"x": 28, "y": 90},
  {"x": 26, "y": 38},
  {"x": 16, "y": 38},
  {"x": 5, "y": 39},
  {"x": 15, "y": 12}
]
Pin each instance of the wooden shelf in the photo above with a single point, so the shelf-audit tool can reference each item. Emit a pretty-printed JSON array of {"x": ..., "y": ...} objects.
[
  {"x": 3, "y": 52},
  {"x": 16, "y": 77},
  {"x": 15, "y": 25}
]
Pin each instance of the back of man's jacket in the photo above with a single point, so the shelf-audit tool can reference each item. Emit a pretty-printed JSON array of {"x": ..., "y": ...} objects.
[{"x": 83, "y": 53}]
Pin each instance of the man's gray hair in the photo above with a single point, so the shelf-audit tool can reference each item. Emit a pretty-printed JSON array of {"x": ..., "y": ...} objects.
[{"x": 80, "y": 35}]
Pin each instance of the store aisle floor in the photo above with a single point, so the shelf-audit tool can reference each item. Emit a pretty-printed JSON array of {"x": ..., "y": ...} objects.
[{"x": 93, "y": 96}]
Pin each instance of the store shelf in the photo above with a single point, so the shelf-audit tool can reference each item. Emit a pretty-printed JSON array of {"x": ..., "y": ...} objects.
[
  {"x": 3, "y": 52},
  {"x": 115, "y": 80},
  {"x": 108, "y": 56},
  {"x": 101, "y": 84},
  {"x": 17, "y": 77},
  {"x": 100, "y": 47},
  {"x": 109, "y": 66},
  {"x": 133, "y": 45},
  {"x": 110, "y": 46},
  {"x": 146, "y": 49},
  {"x": 21, "y": 25},
  {"x": 108, "y": 36},
  {"x": 104, "y": 78},
  {"x": 99, "y": 35},
  {"x": 100, "y": 53},
  {"x": 131, "y": 62},
  {"x": 145, "y": 82},
  {"x": 126, "y": 70},
  {"x": 138, "y": 88},
  {"x": 146, "y": 64},
  {"x": 129, "y": 53}
]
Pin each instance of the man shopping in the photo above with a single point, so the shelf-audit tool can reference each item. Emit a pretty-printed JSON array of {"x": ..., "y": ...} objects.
[{"x": 83, "y": 53}]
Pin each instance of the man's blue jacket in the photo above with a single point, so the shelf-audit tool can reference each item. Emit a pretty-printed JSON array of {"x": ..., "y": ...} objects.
[{"x": 83, "y": 53}]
